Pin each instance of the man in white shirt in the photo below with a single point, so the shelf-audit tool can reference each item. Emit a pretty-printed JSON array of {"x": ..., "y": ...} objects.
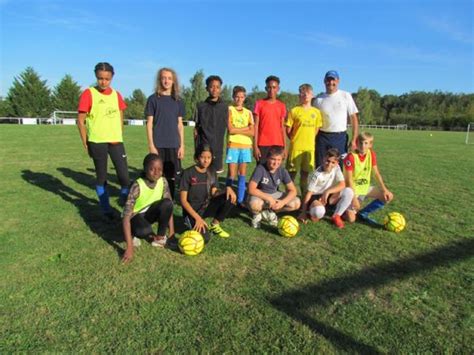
[{"x": 335, "y": 106}]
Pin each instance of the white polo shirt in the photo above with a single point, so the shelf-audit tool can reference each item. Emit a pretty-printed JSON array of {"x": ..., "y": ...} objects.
[{"x": 335, "y": 109}]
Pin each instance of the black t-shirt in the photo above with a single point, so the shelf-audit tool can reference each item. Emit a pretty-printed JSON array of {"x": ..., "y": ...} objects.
[
  {"x": 198, "y": 185},
  {"x": 165, "y": 111},
  {"x": 268, "y": 182},
  {"x": 211, "y": 123}
]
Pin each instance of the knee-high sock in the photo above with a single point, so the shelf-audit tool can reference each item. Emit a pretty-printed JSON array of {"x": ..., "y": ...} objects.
[
  {"x": 372, "y": 207},
  {"x": 241, "y": 189},
  {"x": 103, "y": 195},
  {"x": 343, "y": 204}
]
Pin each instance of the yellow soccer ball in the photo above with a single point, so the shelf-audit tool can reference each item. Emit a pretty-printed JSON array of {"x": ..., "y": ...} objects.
[
  {"x": 191, "y": 243},
  {"x": 394, "y": 222},
  {"x": 288, "y": 226}
]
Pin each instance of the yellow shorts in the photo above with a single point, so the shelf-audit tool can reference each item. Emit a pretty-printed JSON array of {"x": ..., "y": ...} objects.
[{"x": 300, "y": 160}]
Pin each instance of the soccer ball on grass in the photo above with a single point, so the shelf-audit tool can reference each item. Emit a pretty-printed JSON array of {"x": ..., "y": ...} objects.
[
  {"x": 288, "y": 226},
  {"x": 394, "y": 222},
  {"x": 191, "y": 243}
]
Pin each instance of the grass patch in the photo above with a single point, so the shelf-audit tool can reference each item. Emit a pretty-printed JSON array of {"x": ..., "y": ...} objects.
[{"x": 63, "y": 288}]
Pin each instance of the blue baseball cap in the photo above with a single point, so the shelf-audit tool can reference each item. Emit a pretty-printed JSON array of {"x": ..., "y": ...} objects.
[{"x": 332, "y": 74}]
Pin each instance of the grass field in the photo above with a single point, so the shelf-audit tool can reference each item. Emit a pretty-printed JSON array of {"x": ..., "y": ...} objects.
[{"x": 63, "y": 288}]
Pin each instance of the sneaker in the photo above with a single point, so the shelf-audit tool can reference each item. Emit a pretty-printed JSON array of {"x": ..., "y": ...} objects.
[
  {"x": 172, "y": 242},
  {"x": 159, "y": 241},
  {"x": 270, "y": 217},
  {"x": 256, "y": 219},
  {"x": 220, "y": 171},
  {"x": 217, "y": 229},
  {"x": 136, "y": 242},
  {"x": 337, "y": 220}
]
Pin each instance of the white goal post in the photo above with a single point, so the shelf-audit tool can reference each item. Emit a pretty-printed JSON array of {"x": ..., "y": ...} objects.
[
  {"x": 470, "y": 133},
  {"x": 64, "y": 117}
]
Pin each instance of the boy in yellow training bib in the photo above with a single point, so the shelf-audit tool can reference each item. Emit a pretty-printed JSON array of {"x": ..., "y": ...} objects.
[{"x": 358, "y": 168}]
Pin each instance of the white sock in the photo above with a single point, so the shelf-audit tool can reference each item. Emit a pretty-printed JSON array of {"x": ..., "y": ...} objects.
[
  {"x": 346, "y": 198},
  {"x": 317, "y": 211}
]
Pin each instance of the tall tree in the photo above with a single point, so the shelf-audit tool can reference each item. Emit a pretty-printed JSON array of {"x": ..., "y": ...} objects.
[
  {"x": 226, "y": 94},
  {"x": 368, "y": 103},
  {"x": 66, "y": 94},
  {"x": 290, "y": 100},
  {"x": 194, "y": 94},
  {"x": 29, "y": 96},
  {"x": 388, "y": 103},
  {"x": 135, "y": 105},
  {"x": 5, "y": 109}
]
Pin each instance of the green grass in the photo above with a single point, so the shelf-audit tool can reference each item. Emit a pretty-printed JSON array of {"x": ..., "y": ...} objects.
[{"x": 63, "y": 288}]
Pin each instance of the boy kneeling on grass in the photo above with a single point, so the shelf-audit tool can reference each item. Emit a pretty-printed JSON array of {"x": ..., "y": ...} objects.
[
  {"x": 327, "y": 187},
  {"x": 264, "y": 198},
  {"x": 149, "y": 201},
  {"x": 358, "y": 168}
]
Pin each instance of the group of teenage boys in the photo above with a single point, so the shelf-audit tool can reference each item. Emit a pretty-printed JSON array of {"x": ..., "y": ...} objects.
[{"x": 314, "y": 127}]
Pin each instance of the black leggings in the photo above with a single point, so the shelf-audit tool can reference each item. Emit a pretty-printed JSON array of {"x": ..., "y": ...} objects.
[
  {"x": 218, "y": 208},
  {"x": 159, "y": 211},
  {"x": 99, "y": 153}
]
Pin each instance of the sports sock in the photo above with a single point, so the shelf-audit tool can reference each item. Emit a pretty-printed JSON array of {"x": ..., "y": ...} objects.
[
  {"x": 124, "y": 191},
  {"x": 345, "y": 201},
  {"x": 103, "y": 198},
  {"x": 241, "y": 188},
  {"x": 372, "y": 207},
  {"x": 229, "y": 182}
]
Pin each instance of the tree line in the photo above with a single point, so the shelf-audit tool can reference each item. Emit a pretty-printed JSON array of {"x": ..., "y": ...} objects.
[{"x": 30, "y": 96}]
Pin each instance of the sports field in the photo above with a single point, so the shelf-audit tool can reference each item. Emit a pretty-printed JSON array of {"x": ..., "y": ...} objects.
[{"x": 63, "y": 288}]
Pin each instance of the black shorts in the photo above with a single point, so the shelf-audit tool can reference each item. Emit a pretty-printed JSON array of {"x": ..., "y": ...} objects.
[
  {"x": 171, "y": 163},
  {"x": 317, "y": 197}
]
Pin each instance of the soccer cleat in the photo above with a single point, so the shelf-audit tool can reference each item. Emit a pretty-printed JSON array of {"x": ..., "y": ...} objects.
[
  {"x": 159, "y": 241},
  {"x": 217, "y": 229},
  {"x": 337, "y": 220},
  {"x": 256, "y": 219},
  {"x": 270, "y": 217}
]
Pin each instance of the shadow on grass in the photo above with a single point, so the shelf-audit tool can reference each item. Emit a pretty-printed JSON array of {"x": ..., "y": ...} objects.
[
  {"x": 297, "y": 302},
  {"x": 87, "y": 207}
]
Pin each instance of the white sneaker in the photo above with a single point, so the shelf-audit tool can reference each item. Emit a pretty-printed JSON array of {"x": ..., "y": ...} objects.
[
  {"x": 270, "y": 217},
  {"x": 136, "y": 242},
  {"x": 256, "y": 219},
  {"x": 159, "y": 241}
]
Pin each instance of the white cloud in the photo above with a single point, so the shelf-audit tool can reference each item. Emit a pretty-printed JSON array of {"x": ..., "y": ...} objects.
[{"x": 449, "y": 28}]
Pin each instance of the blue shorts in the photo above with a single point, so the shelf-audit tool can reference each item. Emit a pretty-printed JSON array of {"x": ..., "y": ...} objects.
[{"x": 238, "y": 155}]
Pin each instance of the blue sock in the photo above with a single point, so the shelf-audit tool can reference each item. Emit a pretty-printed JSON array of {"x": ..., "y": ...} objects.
[
  {"x": 229, "y": 182},
  {"x": 371, "y": 207},
  {"x": 241, "y": 188},
  {"x": 103, "y": 198},
  {"x": 124, "y": 191}
]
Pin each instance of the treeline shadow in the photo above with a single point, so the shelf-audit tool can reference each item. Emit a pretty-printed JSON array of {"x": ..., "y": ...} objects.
[
  {"x": 88, "y": 208},
  {"x": 297, "y": 302}
]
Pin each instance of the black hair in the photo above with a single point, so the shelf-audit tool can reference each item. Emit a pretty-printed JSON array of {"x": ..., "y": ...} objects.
[
  {"x": 272, "y": 78},
  {"x": 104, "y": 66},
  {"x": 150, "y": 158},
  {"x": 212, "y": 78},
  {"x": 202, "y": 148},
  {"x": 274, "y": 150},
  {"x": 333, "y": 153},
  {"x": 238, "y": 89}
]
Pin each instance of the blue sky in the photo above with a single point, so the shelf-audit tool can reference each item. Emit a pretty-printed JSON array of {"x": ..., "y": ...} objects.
[{"x": 390, "y": 46}]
